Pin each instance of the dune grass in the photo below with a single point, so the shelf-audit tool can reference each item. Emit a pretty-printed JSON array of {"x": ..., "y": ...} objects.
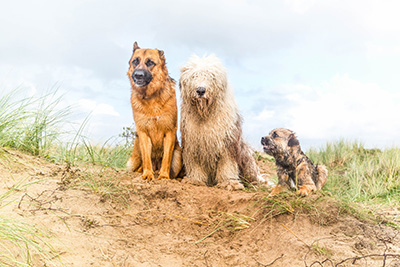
[
  {"x": 22, "y": 244},
  {"x": 31, "y": 124},
  {"x": 34, "y": 125},
  {"x": 357, "y": 174}
]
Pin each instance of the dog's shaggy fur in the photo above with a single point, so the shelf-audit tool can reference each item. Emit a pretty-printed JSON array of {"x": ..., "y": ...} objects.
[
  {"x": 294, "y": 168},
  {"x": 214, "y": 151}
]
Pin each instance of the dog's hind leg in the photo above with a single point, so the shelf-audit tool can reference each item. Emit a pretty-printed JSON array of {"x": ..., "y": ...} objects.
[
  {"x": 176, "y": 163},
  {"x": 135, "y": 162},
  {"x": 322, "y": 176},
  {"x": 304, "y": 179}
]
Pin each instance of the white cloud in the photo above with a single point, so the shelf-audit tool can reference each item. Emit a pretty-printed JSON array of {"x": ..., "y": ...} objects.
[
  {"x": 265, "y": 114},
  {"x": 300, "y": 6},
  {"x": 83, "y": 46},
  {"x": 97, "y": 108},
  {"x": 339, "y": 108},
  {"x": 342, "y": 108}
]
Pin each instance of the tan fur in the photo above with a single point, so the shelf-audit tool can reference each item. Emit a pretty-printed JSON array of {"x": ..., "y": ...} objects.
[
  {"x": 155, "y": 113},
  {"x": 294, "y": 168},
  {"x": 214, "y": 151}
]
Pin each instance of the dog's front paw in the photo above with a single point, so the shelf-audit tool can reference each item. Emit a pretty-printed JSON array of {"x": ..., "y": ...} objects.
[
  {"x": 231, "y": 185},
  {"x": 163, "y": 176},
  {"x": 147, "y": 175},
  {"x": 276, "y": 190},
  {"x": 304, "y": 190}
]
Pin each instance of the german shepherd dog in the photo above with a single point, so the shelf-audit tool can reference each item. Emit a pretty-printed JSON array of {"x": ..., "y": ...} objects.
[{"x": 154, "y": 109}]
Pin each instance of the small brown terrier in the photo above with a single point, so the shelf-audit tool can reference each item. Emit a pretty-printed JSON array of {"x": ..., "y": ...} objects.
[
  {"x": 294, "y": 168},
  {"x": 155, "y": 113}
]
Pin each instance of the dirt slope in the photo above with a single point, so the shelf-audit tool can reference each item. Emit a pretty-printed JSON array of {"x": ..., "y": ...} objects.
[{"x": 170, "y": 223}]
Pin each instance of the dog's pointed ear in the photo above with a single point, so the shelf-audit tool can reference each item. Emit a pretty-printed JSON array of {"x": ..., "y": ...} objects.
[
  {"x": 161, "y": 54},
  {"x": 293, "y": 141},
  {"x": 135, "y": 46}
]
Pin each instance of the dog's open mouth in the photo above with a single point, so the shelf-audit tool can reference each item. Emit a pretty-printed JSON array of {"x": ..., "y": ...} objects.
[
  {"x": 268, "y": 148},
  {"x": 141, "y": 82}
]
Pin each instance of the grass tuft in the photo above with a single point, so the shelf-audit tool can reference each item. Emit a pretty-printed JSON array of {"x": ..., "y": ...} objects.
[
  {"x": 360, "y": 174},
  {"x": 22, "y": 244}
]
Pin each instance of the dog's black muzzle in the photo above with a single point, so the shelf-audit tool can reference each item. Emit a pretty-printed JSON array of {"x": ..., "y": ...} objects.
[
  {"x": 141, "y": 77},
  {"x": 267, "y": 144},
  {"x": 265, "y": 141}
]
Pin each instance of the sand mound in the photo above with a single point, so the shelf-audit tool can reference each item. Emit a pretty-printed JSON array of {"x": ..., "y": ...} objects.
[{"x": 170, "y": 223}]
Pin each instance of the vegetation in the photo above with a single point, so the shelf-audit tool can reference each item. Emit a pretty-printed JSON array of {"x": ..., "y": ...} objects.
[
  {"x": 21, "y": 243},
  {"x": 34, "y": 125},
  {"x": 357, "y": 174},
  {"x": 370, "y": 177}
]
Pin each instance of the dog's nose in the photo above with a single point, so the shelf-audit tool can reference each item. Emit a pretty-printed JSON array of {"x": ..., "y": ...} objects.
[
  {"x": 262, "y": 140},
  {"x": 139, "y": 74},
  {"x": 200, "y": 91}
]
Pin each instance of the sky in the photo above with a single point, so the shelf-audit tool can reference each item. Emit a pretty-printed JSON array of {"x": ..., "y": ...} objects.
[{"x": 327, "y": 70}]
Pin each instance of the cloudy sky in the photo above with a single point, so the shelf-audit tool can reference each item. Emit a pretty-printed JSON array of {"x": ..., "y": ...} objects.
[{"x": 325, "y": 69}]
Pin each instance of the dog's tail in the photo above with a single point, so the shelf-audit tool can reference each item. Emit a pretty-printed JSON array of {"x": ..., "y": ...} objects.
[{"x": 322, "y": 176}]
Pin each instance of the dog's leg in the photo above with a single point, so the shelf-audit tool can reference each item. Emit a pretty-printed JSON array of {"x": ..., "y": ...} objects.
[
  {"x": 195, "y": 174},
  {"x": 169, "y": 143},
  {"x": 228, "y": 174},
  {"x": 276, "y": 190},
  {"x": 304, "y": 179},
  {"x": 283, "y": 179},
  {"x": 322, "y": 176},
  {"x": 145, "y": 150},
  {"x": 247, "y": 165},
  {"x": 176, "y": 163},
  {"x": 135, "y": 161}
]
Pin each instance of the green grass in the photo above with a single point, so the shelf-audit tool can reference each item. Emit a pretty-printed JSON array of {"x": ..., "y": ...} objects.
[
  {"x": 358, "y": 177},
  {"x": 112, "y": 153},
  {"x": 357, "y": 174},
  {"x": 364, "y": 181},
  {"x": 35, "y": 125},
  {"x": 319, "y": 250},
  {"x": 31, "y": 124},
  {"x": 22, "y": 244}
]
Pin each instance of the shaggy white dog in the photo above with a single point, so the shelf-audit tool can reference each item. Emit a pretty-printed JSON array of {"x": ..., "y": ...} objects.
[{"x": 214, "y": 151}]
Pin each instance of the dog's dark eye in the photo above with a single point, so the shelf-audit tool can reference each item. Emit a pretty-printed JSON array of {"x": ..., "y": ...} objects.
[
  {"x": 135, "y": 61},
  {"x": 150, "y": 63},
  {"x": 275, "y": 135}
]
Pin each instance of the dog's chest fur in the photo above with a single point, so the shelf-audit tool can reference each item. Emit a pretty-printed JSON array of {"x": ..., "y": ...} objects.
[
  {"x": 288, "y": 165},
  {"x": 154, "y": 116},
  {"x": 213, "y": 134}
]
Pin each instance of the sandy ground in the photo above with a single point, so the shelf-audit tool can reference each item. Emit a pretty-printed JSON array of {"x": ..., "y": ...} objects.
[{"x": 171, "y": 223}]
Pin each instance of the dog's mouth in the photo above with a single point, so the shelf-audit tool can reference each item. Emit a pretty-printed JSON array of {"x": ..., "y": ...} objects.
[
  {"x": 201, "y": 105},
  {"x": 268, "y": 148},
  {"x": 141, "y": 77},
  {"x": 140, "y": 83},
  {"x": 200, "y": 101}
]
